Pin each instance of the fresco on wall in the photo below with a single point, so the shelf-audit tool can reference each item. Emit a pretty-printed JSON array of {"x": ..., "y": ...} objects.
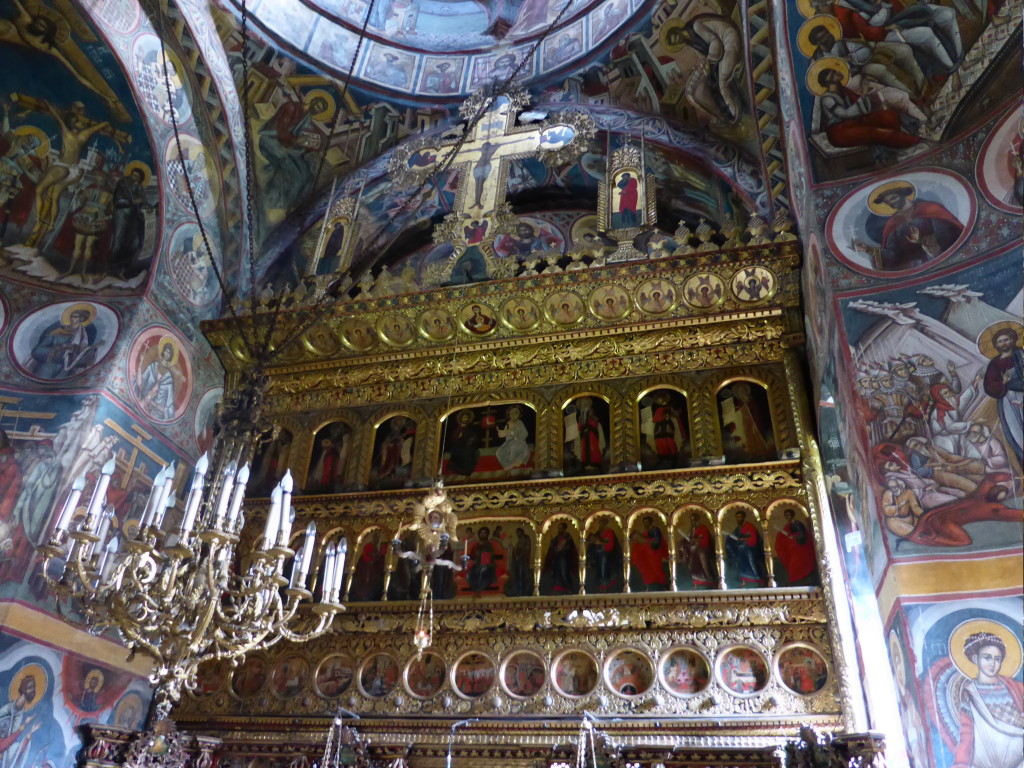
[
  {"x": 63, "y": 340},
  {"x": 77, "y": 193},
  {"x": 1000, "y": 166},
  {"x": 966, "y": 660},
  {"x": 46, "y": 442},
  {"x": 938, "y": 368},
  {"x": 489, "y": 442},
  {"x": 881, "y": 81},
  {"x": 160, "y": 373},
  {"x": 45, "y": 695},
  {"x": 902, "y": 224}
]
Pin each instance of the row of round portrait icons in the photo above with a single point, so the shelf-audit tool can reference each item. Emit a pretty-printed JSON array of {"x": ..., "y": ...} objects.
[
  {"x": 628, "y": 673},
  {"x": 609, "y": 303}
]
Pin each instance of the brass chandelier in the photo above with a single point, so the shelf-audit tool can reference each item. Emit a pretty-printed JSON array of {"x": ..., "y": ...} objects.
[{"x": 181, "y": 590}]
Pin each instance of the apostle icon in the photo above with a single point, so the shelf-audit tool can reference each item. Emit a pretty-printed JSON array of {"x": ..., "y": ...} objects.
[
  {"x": 796, "y": 563},
  {"x": 560, "y": 574},
  {"x": 649, "y": 556},
  {"x": 393, "y": 447},
  {"x": 604, "y": 559},
  {"x": 744, "y": 549},
  {"x": 664, "y": 430},
  {"x": 626, "y": 201},
  {"x": 586, "y": 422},
  {"x": 696, "y": 563},
  {"x": 329, "y": 458},
  {"x": 746, "y": 423}
]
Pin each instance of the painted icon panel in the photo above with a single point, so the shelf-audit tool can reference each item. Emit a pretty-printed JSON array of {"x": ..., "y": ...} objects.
[
  {"x": 575, "y": 673},
  {"x": 664, "y": 430},
  {"x": 523, "y": 674},
  {"x": 742, "y": 670},
  {"x": 586, "y": 428},
  {"x": 393, "y": 445},
  {"x": 684, "y": 671},
  {"x": 746, "y": 423},
  {"x": 489, "y": 442}
]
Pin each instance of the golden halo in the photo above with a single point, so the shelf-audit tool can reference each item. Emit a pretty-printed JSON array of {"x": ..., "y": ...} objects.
[
  {"x": 164, "y": 340},
  {"x": 803, "y": 41},
  {"x": 956, "y": 646},
  {"x": 830, "y": 62},
  {"x": 582, "y": 226},
  {"x": 94, "y": 674},
  {"x": 43, "y": 148},
  {"x": 328, "y": 112},
  {"x": 131, "y": 528},
  {"x": 887, "y": 210},
  {"x": 34, "y": 671},
  {"x": 805, "y": 8},
  {"x": 986, "y": 343},
  {"x": 89, "y": 309},
  {"x": 667, "y": 27},
  {"x": 147, "y": 174}
]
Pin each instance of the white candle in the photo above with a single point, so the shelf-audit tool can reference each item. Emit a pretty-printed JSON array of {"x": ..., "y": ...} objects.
[
  {"x": 195, "y": 495},
  {"x": 273, "y": 519},
  {"x": 339, "y": 574},
  {"x": 154, "y": 493},
  {"x": 297, "y": 580},
  {"x": 99, "y": 495},
  {"x": 172, "y": 499},
  {"x": 241, "y": 480},
  {"x": 307, "y": 552},
  {"x": 71, "y": 504},
  {"x": 287, "y": 515},
  {"x": 328, "y": 575},
  {"x": 104, "y": 527},
  {"x": 224, "y": 496},
  {"x": 107, "y": 560}
]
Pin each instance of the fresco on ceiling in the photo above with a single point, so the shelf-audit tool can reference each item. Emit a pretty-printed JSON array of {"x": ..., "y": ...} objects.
[
  {"x": 64, "y": 340},
  {"x": 957, "y": 666},
  {"x": 46, "y": 443},
  {"x": 1000, "y": 167},
  {"x": 935, "y": 395},
  {"x": 484, "y": 41},
  {"x": 45, "y": 695},
  {"x": 880, "y": 80},
  {"x": 77, "y": 192}
]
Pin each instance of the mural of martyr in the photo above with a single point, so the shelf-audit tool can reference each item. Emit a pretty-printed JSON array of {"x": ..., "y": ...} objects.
[{"x": 160, "y": 372}]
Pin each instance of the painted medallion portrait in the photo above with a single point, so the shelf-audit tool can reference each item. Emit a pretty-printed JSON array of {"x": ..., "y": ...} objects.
[
  {"x": 478, "y": 319},
  {"x": 334, "y": 675},
  {"x": 63, "y": 340},
  {"x": 250, "y": 677},
  {"x": 523, "y": 674},
  {"x": 160, "y": 374},
  {"x": 201, "y": 172},
  {"x": 703, "y": 290},
  {"x": 564, "y": 308},
  {"x": 321, "y": 341},
  {"x": 629, "y": 673},
  {"x": 379, "y": 675},
  {"x": 437, "y": 325},
  {"x": 206, "y": 416},
  {"x": 609, "y": 302},
  {"x": 742, "y": 670},
  {"x": 902, "y": 225},
  {"x": 424, "y": 675},
  {"x": 746, "y": 422},
  {"x": 397, "y": 330},
  {"x": 684, "y": 671},
  {"x": 166, "y": 79},
  {"x": 357, "y": 334},
  {"x": 1000, "y": 167},
  {"x": 520, "y": 314},
  {"x": 802, "y": 669},
  {"x": 575, "y": 674},
  {"x": 753, "y": 284},
  {"x": 289, "y": 676},
  {"x": 474, "y": 675},
  {"x": 190, "y": 266},
  {"x": 656, "y": 297},
  {"x": 129, "y": 712},
  {"x": 489, "y": 442}
]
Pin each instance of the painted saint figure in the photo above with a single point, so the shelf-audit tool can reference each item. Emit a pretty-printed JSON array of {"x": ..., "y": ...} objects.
[
  {"x": 697, "y": 552},
  {"x": 16, "y": 725},
  {"x": 648, "y": 555},
  {"x": 910, "y": 232},
  {"x": 604, "y": 560},
  {"x": 158, "y": 383},
  {"x": 129, "y": 223},
  {"x": 746, "y": 551},
  {"x": 585, "y": 442},
  {"x": 561, "y": 564},
  {"x": 1004, "y": 381},
  {"x": 626, "y": 213},
  {"x": 66, "y": 347},
  {"x": 795, "y": 549},
  {"x": 515, "y": 451}
]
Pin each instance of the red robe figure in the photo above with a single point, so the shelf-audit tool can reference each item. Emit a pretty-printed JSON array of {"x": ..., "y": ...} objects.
[
  {"x": 626, "y": 214},
  {"x": 916, "y": 232},
  {"x": 698, "y": 553},
  {"x": 746, "y": 550},
  {"x": 669, "y": 431},
  {"x": 15, "y": 548},
  {"x": 561, "y": 564},
  {"x": 368, "y": 579},
  {"x": 648, "y": 554},
  {"x": 795, "y": 549}
]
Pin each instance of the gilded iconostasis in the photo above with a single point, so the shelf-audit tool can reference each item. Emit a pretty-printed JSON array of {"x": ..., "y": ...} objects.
[{"x": 667, "y": 206}]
